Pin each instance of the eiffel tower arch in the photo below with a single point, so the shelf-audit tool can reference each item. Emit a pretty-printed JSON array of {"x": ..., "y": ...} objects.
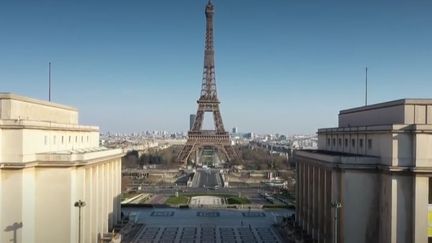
[{"x": 198, "y": 138}]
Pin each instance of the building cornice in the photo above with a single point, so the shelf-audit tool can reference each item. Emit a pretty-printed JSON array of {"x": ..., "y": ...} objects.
[
  {"x": 42, "y": 125},
  {"x": 395, "y": 128},
  {"x": 334, "y": 163},
  {"x": 66, "y": 160},
  {"x": 12, "y": 96}
]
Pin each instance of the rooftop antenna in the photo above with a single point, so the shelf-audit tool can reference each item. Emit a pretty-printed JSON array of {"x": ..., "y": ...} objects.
[
  {"x": 49, "y": 81},
  {"x": 366, "y": 89}
]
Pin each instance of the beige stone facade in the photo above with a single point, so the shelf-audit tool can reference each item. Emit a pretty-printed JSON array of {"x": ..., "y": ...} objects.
[
  {"x": 47, "y": 163},
  {"x": 377, "y": 163}
]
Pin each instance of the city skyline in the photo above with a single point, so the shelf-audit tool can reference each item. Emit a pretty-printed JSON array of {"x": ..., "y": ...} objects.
[{"x": 127, "y": 68}]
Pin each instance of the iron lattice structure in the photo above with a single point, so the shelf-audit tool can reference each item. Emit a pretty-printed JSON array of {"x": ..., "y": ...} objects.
[{"x": 208, "y": 102}]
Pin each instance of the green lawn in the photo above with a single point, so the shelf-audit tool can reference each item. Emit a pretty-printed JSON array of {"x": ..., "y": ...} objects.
[
  {"x": 237, "y": 200},
  {"x": 177, "y": 200},
  {"x": 226, "y": 195}
]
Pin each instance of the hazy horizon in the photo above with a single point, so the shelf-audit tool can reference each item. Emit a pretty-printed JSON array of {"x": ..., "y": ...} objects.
[{"x": 281, "y": 67}]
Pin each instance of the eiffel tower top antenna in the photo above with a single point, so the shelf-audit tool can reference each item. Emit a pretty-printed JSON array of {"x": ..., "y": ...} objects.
[{"x": 208, "y": 86}]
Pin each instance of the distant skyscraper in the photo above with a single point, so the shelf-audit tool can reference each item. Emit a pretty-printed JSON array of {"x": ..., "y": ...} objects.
[
  {"x": 235, "y": 130},
  {"x": 192, "y": 118},
  {"x": 371, "y": 178},
  {"x": 249, "y": 135}
]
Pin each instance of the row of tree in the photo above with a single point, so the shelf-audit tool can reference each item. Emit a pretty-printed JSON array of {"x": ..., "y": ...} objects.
[
  {"x": 251, "y": 157},
  {"x": 166, "y": 157},
  {"x": 256, "y": 158}
]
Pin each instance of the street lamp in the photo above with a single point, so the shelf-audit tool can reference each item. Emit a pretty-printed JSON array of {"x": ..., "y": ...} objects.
[
  {"x": 79, "y": 204},
  {"x": 336, "y": 206}
]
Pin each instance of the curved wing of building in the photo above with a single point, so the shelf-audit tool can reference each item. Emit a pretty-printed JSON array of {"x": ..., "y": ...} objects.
[
  {"x": 48, "y": 162},
  {"x": 370, "y": 179}
]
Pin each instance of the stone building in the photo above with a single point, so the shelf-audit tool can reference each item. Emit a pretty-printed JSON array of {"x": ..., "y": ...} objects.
[
  {"x": 377, "y": 164},
  {"x": 48, "y": 162}
]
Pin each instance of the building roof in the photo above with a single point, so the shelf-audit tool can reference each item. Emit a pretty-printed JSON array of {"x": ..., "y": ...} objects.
[
  {"x": 8, "y": 95},
  {"x": 406, "y": 101}
]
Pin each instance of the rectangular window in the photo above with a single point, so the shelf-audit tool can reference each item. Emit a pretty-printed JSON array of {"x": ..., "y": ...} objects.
[
  {"x": 353, "y": 142},
  {"x": 87, "y": 138},
  {"x": 361, "y": 142},
  {"x": 334, "y": 141},
  {"x": 340, "y": 142},
  {"x": 62, "y": 139},
  {"x": 430, "y": 190},
  {"x": 82, "y": 139},
  {"x": 346, "y": 142},
  {"x": 69, "y": 139},
  {"x": 328, "y": 141},
  {"x": 76, "y": 139},
  {"x": 54, "y": 141},
  {"x": 369, "y": 143},
  {"x": 46, "y": 140}
]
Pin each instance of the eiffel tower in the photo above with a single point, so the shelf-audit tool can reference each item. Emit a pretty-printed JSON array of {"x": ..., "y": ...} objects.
[{"x": 198, "y": 139}]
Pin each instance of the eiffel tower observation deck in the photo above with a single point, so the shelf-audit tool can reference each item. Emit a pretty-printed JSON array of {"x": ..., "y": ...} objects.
[{"x": 208, "y": 101}]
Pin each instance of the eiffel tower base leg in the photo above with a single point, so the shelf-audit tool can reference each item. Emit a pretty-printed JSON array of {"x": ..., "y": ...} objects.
[
  {"x": 184, "y": 154},
  {"x": 231, "y": 154}
]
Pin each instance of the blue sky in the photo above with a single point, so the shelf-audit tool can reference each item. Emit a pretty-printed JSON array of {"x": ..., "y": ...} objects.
[{"x": 281, "y": 66}]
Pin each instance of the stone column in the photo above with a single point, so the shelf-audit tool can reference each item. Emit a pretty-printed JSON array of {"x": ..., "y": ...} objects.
[
  {"x": 298, "y": 185},
  {"x": 420, "y": 209},
  {"x": 304, "y": 197},
  {"x": 307, "y": 198},
  {"x": 314, "y": 200},
  {"x": 320, "y": 204},
  {"x": 329, "y": 219},
  {"x": 302, "y": 194},
  {"x": 310, "y": 204},
  {"x": 323, "y": 205},
  {"x": 311, "y": 195}
]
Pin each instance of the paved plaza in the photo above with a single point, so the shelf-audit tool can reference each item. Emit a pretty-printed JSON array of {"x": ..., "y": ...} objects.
[{"x": 206, "y": 225}]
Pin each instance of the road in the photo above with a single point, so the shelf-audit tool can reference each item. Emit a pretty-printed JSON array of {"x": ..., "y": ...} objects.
[{"x": 207, "y": 178}]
